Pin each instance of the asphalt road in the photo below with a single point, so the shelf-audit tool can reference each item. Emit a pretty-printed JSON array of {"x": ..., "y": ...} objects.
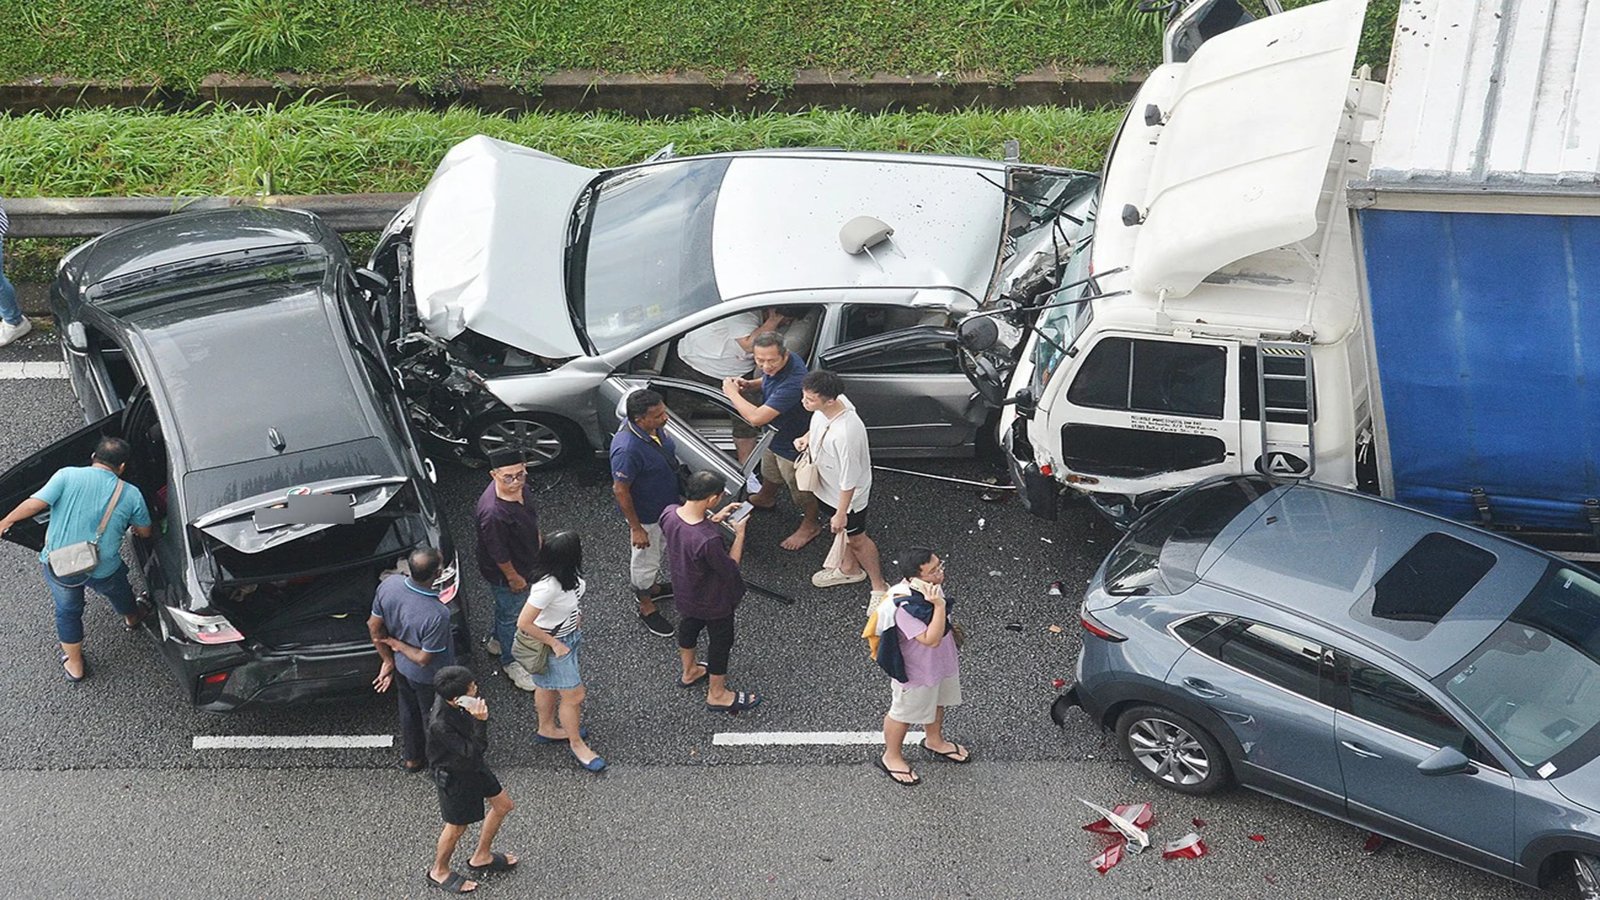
[{"x": 103, "y": 794}]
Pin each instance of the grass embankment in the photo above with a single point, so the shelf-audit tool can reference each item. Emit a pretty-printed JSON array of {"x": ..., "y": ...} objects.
[
  {"x": 331, "y": 148},
  {"x": 436, "y": 42}
]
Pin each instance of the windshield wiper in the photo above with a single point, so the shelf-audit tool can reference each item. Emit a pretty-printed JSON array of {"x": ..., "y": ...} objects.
[{"x": 209, "y": 265}]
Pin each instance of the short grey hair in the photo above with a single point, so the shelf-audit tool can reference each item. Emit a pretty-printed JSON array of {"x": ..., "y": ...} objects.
[{"x": 769, "y": 339}]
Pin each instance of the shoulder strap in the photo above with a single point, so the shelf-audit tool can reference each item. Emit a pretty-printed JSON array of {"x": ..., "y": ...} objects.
[
  {"x": 106, "y": 519},
  {"x": 660, "y": 446}
]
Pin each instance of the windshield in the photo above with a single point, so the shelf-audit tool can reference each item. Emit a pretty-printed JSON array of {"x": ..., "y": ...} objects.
[
  {"x": 1535, "y": 683},
  {"x": 129, "y": 293},
  {"x": 1060, "y": 325},
  {"x": 648, "y": 258}
]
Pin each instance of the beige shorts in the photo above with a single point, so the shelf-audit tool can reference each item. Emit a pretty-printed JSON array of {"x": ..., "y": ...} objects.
[
  {"x": 775, "y": 468},
  {"x": 918, "y": 705},
  {"x": 644, "y": 566}
]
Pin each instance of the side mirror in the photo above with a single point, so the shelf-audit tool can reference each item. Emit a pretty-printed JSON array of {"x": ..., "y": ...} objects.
[
  {"x": 1446, "y": 761},
  {"x": 77, "y": 337},
  {"x": 372, "y": 282},
  {"x": 978, "y": 333}
]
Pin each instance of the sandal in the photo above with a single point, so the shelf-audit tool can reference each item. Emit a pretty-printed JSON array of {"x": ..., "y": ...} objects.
[
  {"x": 498, "y": 862},
  {"x": 741, "y": 701},
  {"x": 960, "y": 755},
  {"x": 894, "y": 774},
  {"x": 453, "y": 883},
  {"x": 71, "y": 677},
  {"x": 701, "y": 680}
]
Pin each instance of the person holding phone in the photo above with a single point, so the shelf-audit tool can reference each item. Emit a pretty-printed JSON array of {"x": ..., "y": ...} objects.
[
  {"x": 553, "y": 617},
  {"x": 709, "y": 587},
  {"x": 458, "y": 737}
]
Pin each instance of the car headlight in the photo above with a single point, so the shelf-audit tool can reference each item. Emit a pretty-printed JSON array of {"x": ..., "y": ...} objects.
[{"x": 204, "y": 629}]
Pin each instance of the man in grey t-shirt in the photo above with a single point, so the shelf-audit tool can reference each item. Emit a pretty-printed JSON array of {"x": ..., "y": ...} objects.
[{"x": 411, "y": 629}]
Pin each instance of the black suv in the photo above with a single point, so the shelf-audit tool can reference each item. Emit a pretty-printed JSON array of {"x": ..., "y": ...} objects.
[{"x": 233, "y": 350}]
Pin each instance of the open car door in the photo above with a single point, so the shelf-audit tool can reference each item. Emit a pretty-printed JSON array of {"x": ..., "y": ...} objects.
[
  {"x": 695, "y": 449},
  {"x": 910, "y": 388},
  {"x": 27, "y": 477}
]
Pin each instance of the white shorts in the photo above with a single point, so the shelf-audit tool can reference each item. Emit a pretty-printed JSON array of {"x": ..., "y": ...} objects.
[
  {"x": 644, "y": 566},
  {"x": 918, "y": 705}
]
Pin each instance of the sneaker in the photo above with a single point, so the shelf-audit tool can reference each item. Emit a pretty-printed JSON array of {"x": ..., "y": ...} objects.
[
  {"x": 834, "y": 577},
  {"x": 9, "y": 332},
  {"x": 661, "y": 591},
  {"x": 518, "y": 675},
  {"x": 658, "y": 624},
  {"x": 492, "y": 645}
]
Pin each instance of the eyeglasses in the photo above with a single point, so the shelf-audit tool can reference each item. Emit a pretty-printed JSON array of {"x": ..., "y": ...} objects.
[{"x": 520, "y": 475}]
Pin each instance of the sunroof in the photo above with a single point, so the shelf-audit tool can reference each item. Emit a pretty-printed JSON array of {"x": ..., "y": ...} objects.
[{"x": 1424, "y": 585}]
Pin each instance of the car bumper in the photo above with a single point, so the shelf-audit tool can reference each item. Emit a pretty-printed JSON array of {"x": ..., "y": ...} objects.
[
  {"x": 249, "y": 676},
  {"x": 1076, "y": 696},
  {"x": 1039, "y": 493}
]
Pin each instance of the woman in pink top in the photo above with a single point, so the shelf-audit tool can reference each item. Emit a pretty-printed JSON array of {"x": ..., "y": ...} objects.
[{"x": 933, "y": 670}]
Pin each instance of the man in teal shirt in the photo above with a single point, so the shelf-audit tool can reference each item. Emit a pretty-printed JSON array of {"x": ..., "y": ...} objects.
[{"x": 77, "y": 498}]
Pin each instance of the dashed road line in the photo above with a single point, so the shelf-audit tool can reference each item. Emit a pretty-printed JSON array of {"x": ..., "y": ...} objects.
[
  {"x": 802, "y": 738},
  {"x": 291, "y": 741}
]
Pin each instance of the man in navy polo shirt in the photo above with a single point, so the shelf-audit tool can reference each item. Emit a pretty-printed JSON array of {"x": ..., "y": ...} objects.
[
  {"x": 411, "y": 630},
  {"x": 644, "y": 479},
  {"x": 781, "y": 375}
]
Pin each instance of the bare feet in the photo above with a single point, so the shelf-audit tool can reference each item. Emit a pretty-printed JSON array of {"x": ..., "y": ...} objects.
[{"x": 805, "y": 534}]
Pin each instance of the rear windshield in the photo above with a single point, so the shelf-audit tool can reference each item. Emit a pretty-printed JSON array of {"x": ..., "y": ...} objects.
[
  {"x": 1162, "y": 552},
  {"x": 1535, "y": 683}
]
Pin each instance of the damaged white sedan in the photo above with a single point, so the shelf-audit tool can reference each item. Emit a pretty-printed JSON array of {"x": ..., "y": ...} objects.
[{"x": 526, "y": 294}]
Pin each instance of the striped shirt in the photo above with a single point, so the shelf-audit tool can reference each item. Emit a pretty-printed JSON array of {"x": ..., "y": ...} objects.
[{"x": 5, "y": 224}]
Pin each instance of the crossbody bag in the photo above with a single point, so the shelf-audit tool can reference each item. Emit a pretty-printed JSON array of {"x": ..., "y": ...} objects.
[
  {"x": 83, "y": 557},
  {"x": 806, "y": 475}
]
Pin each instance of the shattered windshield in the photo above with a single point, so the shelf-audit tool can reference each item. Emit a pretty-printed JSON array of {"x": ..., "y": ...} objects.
[
  {"x": 648, "y": 257},
  {"x": 1060, "y": 325}
]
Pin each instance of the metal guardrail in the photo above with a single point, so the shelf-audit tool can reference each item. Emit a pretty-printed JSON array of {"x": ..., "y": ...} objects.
[{"x": 49, "y": 217}]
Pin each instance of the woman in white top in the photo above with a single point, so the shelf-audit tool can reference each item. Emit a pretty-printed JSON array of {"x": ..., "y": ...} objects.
[{"x": 552, "y": 617}]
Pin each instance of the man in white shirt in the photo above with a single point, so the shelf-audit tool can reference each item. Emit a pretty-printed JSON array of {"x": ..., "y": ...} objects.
[
  {"x": 723, "y": 349},
  {"x": 837, "y": 440}
]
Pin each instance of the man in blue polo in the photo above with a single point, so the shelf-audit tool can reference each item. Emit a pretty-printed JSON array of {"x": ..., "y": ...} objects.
[
  {"x": 781, "y": 375},
  {"x": 644, "y": 479},
  {"x": 411, "y": 629}
]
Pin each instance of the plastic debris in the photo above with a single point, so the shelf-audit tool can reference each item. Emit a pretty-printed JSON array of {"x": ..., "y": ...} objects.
[
  {"x": 995, "y": 573},
  {"x": 1259, "y": 838},
  {"x": 1047, "y": 540},
  {"x": 1013, "y": 626},
  {"x": 1187, "y": 847},
  {"x": 1141, "y": 815},
  {"x": 1135, "y": 835},
  {"x": 1373, "y": 843},
  {"x": 982, "y": 522},
  {"x": 1058, "y": 683},
  {"x": 1054, "y": 589},
  {"x": 1055, "y": 629},
  {"x": 1198, "y": 822},
  {"x": 989, "y": 496},
  {"x": 1108, "y": 858}
]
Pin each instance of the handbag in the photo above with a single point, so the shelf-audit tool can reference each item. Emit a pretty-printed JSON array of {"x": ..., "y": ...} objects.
[
  {"x": 530, "y": 654},
  {"x": 807, "y": 477},
  {"x": 958, "y": 633},
  {"x": 82, "y": 558}
]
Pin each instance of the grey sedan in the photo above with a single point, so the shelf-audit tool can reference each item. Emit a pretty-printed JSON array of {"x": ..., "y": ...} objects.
[{"x": 1410, "y": 675}]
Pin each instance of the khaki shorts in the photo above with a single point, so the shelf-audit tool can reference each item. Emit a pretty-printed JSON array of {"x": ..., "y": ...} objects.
[
  {"x": 918, "y": 705},
  {"x": 775, "y": 468},
  {"x": 644, "y": 566}
]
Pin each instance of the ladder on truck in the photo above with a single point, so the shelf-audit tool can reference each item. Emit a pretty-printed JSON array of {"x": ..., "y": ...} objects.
[{"x": 1286, "y": 386}]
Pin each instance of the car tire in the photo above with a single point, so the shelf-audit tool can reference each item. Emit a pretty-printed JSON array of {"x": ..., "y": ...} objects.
[
  {"x": 1585, "y": 876},
  {"x": 1172, "y": 750},
  {"x": 547, "y": 441}
]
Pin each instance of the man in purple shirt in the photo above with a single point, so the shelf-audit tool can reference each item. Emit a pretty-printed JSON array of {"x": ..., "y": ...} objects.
[
  {"x": 508, "y": 542},
  {"x": 707, "y": 587},
  {"x": 411, "y": 630},
  {"x": 933, "y": 671}
]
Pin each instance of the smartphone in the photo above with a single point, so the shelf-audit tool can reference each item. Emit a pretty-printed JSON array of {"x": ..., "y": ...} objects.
[
  {"x": 741, "y": 512},
  {"x": 471, "y": 704}
]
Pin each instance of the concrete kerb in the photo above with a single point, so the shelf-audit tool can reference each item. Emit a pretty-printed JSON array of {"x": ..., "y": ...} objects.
[{"x": 643, "y": 96}]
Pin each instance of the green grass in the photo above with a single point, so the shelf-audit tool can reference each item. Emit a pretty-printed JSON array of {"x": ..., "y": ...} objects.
[
  {"x": 332, "y": 147},
  {"x": 435, "y": 43}
]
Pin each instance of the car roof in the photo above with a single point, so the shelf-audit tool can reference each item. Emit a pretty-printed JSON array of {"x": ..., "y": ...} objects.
[
  {"x": 1317, "y": 552},
  {"x": 274, "y": 343}
]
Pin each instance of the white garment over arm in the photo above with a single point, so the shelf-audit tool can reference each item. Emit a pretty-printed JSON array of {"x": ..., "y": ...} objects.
[{"x": 713, "y": 348}]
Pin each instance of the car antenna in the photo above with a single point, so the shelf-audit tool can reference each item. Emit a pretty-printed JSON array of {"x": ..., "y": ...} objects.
[{"x": 276, "y": 440}]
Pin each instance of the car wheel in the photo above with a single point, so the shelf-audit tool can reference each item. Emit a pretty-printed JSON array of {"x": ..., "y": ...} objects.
[
  {"x": 1173, "y": 750},
  {"x": 545, "y": 440},
  {"x": 1586, "y": 876}
]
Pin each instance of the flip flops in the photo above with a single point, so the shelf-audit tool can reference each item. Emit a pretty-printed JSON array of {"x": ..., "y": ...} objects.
[
  {"x": 953, "y": 755},
  {"x": 68, "y": 675},
  {"x": 498, "y": 862},
  {"x": 701, "y": 680},
  {"x": 454, "y": 883},
  {"x": 741, "y": 701},
  {"x": 892, "y": 773}
]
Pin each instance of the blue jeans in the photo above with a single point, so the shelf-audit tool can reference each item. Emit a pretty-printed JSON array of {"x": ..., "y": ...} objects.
[
  {"x": 9, "y": 310},
  {"x": 507, "y": 606},
  {"x": 69, "y": 599}
]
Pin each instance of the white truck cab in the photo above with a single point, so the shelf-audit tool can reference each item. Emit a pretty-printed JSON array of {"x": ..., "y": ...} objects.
[{"x": 1209, "y": 320}]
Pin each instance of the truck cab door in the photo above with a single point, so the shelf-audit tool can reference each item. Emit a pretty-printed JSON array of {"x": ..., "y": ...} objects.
[
  {"x": 697, "y": 449},
  {"x": 27, "y": 477},
  {"x": 1144, "y": 413}
]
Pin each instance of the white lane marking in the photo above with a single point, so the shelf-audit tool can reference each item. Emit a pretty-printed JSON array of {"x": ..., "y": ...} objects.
[
  {"x": 15, "y": 371},
  {"x": 290, "y": 741},
  {"x": 802, "y": 738}
]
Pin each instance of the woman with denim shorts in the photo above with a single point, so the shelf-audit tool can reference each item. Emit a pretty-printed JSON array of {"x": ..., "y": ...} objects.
[{"x": 552, "y": 616}]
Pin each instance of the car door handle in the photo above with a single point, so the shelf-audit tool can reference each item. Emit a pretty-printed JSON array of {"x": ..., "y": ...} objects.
[
  {"x": 1359, "y": 750},
  {"x": 1201, "y": 688}
]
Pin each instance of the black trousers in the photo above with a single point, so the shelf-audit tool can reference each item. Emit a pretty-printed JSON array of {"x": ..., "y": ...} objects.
[
  {"x": 719, "y": 634},
  {"x": 416, "y": 700}
]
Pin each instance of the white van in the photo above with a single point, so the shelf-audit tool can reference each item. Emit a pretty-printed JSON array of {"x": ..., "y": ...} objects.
[{"x": 1209, "y": 322}]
